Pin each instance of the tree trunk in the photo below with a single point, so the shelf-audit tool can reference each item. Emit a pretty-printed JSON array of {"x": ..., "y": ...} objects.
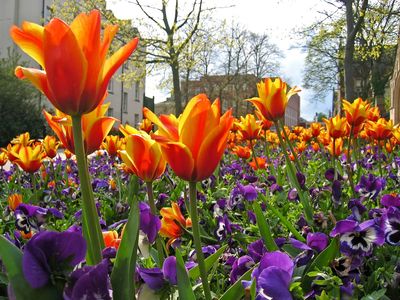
[
  {"x": 177, "y": 89},
  {"x": 349, "y": 53}
]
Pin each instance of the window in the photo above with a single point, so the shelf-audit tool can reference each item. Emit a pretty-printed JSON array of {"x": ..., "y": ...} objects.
[
  {"x": 137, "y": 87},
  {"x": 125, "y": 102},
  {"x": 110, "y": 112},
  {"x": 136, "y": 119},
  {"x": 110, "y": 87}
]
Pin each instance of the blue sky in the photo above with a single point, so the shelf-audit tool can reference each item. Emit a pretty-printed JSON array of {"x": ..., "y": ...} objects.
[{"x": 279, "y": 18}]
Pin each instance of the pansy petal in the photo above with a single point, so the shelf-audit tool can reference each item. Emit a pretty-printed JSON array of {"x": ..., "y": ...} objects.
[{"x": 274, "y": 283}]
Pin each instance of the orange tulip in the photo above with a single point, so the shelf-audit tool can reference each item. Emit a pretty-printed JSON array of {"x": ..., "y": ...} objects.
[
  {"x": 356, "y": 112},
  {"x": 261, "y": 163},
  {"x": 14, "y": 200},
  {"x": 249, "y": 128},
  {"x": 50, "y": 146},
  {"x": 3, "y": 158},
  {"x": 301, "y": 147},
  {"x": 373, "y": 114},
  {"x": 380, "y": 130},
  {"x": 95, "y": 128},
  {"x": 265, "y": 123},
  {"x": 335, "y": 150},
  {"x": 306, "y": 135},
  {"x": 146, "y": 125},
  {"x": 242, "y": 152},
  {"x": 112, "y": 144},
  {"x": 193, "y": 144},
  {"x": 273, "y": 98},
  {"x": 128, "y": 129},
  {"x": 315, "y": 146},
  {"x": 111, "y": 239},
  {"x": 315, "y": 129},
  {"x": 75, "y": 71},
  {"x": 143, "y": 157},
  {"x": 29, "y": 158},
  {"x": 172, "y": 222},
  {"x": 337, "y": 127}
]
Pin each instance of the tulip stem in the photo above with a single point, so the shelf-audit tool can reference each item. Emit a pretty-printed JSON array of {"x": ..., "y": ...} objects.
[
  {"x": 296, "y": 160},
  {"x": 91, "y": 224},
  {"x": 153, "y": 209},
  {"x": 197, "y": 241},
  {"x": 254, "y": 154}
]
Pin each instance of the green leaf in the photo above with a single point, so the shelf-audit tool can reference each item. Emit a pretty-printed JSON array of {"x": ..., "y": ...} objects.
[
  {"x": 184, "y": 287},
  {"x": 323, "y": 259},
  {"x": 194, "y": 273},
  {"x": 236, "y": 291},
  {"x": 11, "y": 257},
  {"x": 125, "y": 262},
  {"x": 375, "y": 295},
  {"x": 264, "y": 228}
]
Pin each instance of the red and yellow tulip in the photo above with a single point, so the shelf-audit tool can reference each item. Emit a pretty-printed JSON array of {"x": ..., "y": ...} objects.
[
  {"x": 273, "y": 98},
  {"x": 14, "y": 200},
  {"x": 143, "y": 156},
  {"x": 28, "y": 158},
  {"x": 356, "y": 112},
  {"x": 112, "y": 144},
  {"x": 75, "y": 68},
  {"x": 95, "y": 126},
  {"x": 193, "y": 144},
  {"x": 249, "y": 128},
  {"x": 379, "y": 130},
  {"x": 336, "y": 126},
  {"x": 50, "y": 146}
]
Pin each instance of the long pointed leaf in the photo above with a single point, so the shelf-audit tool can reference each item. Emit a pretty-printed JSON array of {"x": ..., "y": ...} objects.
[
  {"x": 125, "y": 263},
  {"x": 184, "y": 287},
  {"x": 264, "y": 228},
  {"x": 194, "y": 273}
]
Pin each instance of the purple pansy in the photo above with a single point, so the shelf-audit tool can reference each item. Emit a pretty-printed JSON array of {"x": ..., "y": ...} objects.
[
  {"x": 49, "y": 254},
  {"x": 149, "y": 223},
  {"x": 392, "y": 228},
  {"x": 256, "y": 250},
  {"x": 241, "y": 266},
  {"x": 370, "y": 186},
  {"x": 358, "y": 238}
]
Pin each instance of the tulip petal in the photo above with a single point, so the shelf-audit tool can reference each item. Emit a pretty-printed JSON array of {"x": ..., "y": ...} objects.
[
  {"x": 127, "y": 161},
  {"x": 30, "y": 40},
  {"x": 66, "y": 67},
  {"x": 62, "y": 132},
  {"x": 167, "y": 125},
  {"x": 108, "y": 35},
  {"x": 95, "y": 135},
  {"x": 179, "y": 158},
  {"x": 38, "y": 78},
  {"x": 215, "y": 140},
  {"x": 259, "y": 104}
]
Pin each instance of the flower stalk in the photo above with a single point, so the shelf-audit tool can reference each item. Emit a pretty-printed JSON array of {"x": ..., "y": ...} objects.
[
  {"x": 91, "y": 224},
  {"x": 196, "y": 239}
]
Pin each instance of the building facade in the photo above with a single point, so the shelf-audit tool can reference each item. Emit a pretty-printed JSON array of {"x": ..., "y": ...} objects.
[{"x": 126, "y": 97}]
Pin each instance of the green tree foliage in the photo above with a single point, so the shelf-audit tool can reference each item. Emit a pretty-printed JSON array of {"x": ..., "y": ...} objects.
[{"x": 19, "y": 104}]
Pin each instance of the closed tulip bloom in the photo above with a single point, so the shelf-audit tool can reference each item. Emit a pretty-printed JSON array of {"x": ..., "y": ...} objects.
[
  {"x": 273, "y": 98},
  {"x": 111, "y": 239},
  {"x": 356, "y": 112},
  {"x": 14, "y": 200},
  {"x": 146, "y": 125},
  {"x": 95, "y": 126},
  {"x": 143, "y": 157},
  {"x": 242, "y": 152},
  {"x": 28, "y": 158},
  {"x": 50, "y": 146},
  {"x": 193, "y": 144},
  {"x": 337, "y": 127},
  {"x": 75, "y": 68},
  {"x": 337, "y": 149}
]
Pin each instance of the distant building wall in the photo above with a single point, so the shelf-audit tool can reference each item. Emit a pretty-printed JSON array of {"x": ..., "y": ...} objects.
[
  {"x": 395, "y": 90},
  {"x": 292, "y": 113}
]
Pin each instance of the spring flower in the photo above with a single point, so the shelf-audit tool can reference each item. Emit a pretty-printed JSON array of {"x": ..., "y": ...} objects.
[
  {"x": 373, "y": 114},
  {"x": 112, "y": 144},
  {"x": 265, "y": 123},
  {"x": 380, "y": 130},
  {"x": 356, "y": 112},
  {"x": 149, "y": 223},
  {"x": 358, "y": 239},
  {"x": 14, "y": 200},
  {"x": 50, "y": 146},
  {"x": 3, "y": 158},
  {"x": 95, "y": 127},
  {"x": 249, "y": 128},
  {"x": 315, "y": 129},
  {"x": 143, "y": 157},
  {"x": 111, "y": 239},
  {"x": 49, "y": 255},
  {"x": 146, "y": 125},
  {"x": 242, "y": 152},
  {"x": 337, "y": 127},
  {"x": 273, "y": 98},
  {"x": 392, "y": 228},
  {"x": 261, "y": 163},
  {"x": 75, "y": 71},
  {"x": 337, "y": 148},
  {"x": 193, "y": 144},
  {"x": 171, "y": 217},
  {"x": 28, "y": 158}
]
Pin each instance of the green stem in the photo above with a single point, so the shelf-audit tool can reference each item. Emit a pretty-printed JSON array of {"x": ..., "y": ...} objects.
[
  {"x": 334, "y": 160},
  {"x": 197, "y": 241},
  {"x": 253, "y": 154},
  {"x": 297, "y": 163},
  {"x": 91, "y": 230},
  {"x": 153, "y": 209}
]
